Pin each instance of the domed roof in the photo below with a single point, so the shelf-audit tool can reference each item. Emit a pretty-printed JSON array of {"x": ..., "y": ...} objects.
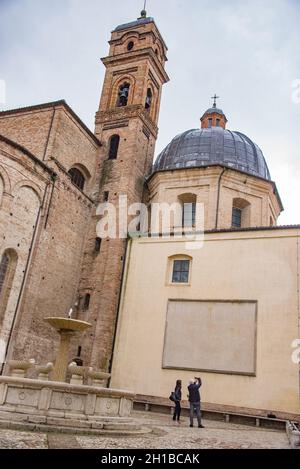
[{"x": 212, "y": 146}]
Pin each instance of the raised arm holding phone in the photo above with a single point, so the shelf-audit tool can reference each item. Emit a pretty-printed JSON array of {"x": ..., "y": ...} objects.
[{"x": 195, "y": 400}]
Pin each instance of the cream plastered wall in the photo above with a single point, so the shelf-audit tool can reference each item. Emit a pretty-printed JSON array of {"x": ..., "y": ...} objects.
[
  {"x": 257, "y": 266},
  {"x": 167, "y": 186}
]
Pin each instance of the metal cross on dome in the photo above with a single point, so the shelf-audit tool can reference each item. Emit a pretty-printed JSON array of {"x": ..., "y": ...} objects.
[{"x": 215, "y": 97}]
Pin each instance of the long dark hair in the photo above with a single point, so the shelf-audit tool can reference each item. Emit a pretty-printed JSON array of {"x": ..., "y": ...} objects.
[{"x": 178, "y": 384}]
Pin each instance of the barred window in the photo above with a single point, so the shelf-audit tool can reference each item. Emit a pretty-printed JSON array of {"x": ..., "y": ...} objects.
[
  {"x": 181, "y": 271},
  {"x": 236, "y": 217},
  {"x": 77, "y": 178}
]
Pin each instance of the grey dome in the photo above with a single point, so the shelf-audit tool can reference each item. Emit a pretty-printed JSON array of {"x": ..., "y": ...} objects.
[{"x": 212, "y": 146}]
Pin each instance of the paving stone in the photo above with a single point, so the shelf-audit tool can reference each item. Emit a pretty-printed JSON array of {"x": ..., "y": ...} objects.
[
  {"x": 162, "y": 434},
  {"x": 58, "y": 441}
]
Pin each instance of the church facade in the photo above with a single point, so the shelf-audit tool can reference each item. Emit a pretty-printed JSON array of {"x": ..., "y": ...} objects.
[{"x": 161, "y": 309}]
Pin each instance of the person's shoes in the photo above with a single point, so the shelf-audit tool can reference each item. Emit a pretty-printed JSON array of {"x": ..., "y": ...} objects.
[
  {"x": 191, "y": 426},
  {"x": 201, "y": 426}
]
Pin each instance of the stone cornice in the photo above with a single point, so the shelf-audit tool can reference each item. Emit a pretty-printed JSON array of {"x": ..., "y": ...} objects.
[
  {"x": 120, "y": 115},
  {"x": 254, "y": 179},
  {"x": 137, "y": 55}
]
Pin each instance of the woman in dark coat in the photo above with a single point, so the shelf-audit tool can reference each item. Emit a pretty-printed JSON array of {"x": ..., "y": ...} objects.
[{"x": 177, "y": 395}]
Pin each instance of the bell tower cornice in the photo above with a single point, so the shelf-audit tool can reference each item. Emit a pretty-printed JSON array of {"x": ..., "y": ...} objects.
[
  {"x": 117, "y": 118},
  {"x": 142, "y": 54}
]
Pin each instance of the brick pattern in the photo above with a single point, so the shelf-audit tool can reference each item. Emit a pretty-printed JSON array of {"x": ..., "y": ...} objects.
[{"x": 52, "y": 277}]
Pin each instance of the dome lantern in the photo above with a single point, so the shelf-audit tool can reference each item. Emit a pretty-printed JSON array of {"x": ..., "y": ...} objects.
[{"x": 213, "y": 117}]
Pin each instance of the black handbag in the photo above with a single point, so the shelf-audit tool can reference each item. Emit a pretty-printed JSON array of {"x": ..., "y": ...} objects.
[{"x": 172, "y": 397}]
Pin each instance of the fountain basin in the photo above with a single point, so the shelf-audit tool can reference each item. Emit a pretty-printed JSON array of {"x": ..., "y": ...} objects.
[
  {"x": 63, "y": 405},
  {"x": 67, "y": 325}
]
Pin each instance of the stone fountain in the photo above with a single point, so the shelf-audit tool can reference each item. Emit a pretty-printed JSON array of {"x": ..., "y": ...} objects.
[
  {"x": 67, "y": 328},
  {"x": 49, "y": 403}
]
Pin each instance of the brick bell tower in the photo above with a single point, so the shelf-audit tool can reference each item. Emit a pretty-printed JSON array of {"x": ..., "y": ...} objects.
[{"x": 126, "y": 124}]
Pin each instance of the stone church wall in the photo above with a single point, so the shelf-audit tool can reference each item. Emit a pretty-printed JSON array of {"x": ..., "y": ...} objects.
[
  {"x": 29, "y": 129},
  {"x": 52, "y": 276},
  {"x": 55, "y": 270},
  {"x": 23, "y": 185}
]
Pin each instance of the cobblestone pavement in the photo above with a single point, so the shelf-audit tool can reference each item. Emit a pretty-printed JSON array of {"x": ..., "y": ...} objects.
[
  {"x": 215, "y": 435},
  {"x": 165, "y": 435},
  {"x": 10, "y": 439}
]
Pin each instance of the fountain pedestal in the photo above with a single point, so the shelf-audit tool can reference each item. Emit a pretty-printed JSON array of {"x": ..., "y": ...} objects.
[{"x": 66, "y": 328}]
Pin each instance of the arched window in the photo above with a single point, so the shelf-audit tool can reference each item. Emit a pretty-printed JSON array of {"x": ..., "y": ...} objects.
[
  {"x": 4, "y": 264},
  {"x": 148, "y": 99},
  {"x": 240, "y": 213},
  {"x": 114, "y": 147},
  {"x": 123, "y": 95},
  {"x": 77, "y": 178}
]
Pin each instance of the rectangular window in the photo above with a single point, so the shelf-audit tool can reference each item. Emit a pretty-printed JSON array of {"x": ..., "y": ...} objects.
[
  {"x": 236, "y": 217},
  {"x": 181, "y": 271},
  {"x": 189, "y": 214},
  {"x": 210, "y": 121},
  {"x": 218, "y": 122}
]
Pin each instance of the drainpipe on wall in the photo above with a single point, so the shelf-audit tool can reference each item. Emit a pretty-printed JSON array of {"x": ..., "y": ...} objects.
[
  {"x": 49, "y": 133},
  {"x": 218, "y": 197},
  {"x": 121, "y": 294},
  {"x": 28, "y": 262},
  {"x": 53, "y": 179}
]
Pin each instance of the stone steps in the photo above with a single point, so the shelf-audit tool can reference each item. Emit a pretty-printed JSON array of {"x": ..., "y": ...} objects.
[
  {"x": 112, "y": 430},
  {"x": 91, "y": 426}
]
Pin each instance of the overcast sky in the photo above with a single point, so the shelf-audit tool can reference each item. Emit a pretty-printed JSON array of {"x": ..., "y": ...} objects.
[{"x": 247, "y": 51}]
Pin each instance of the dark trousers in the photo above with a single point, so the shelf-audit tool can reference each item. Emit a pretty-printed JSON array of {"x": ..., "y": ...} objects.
[
  {"x": 195, "y": 407},
  {"x": 177, "y": 411}
]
